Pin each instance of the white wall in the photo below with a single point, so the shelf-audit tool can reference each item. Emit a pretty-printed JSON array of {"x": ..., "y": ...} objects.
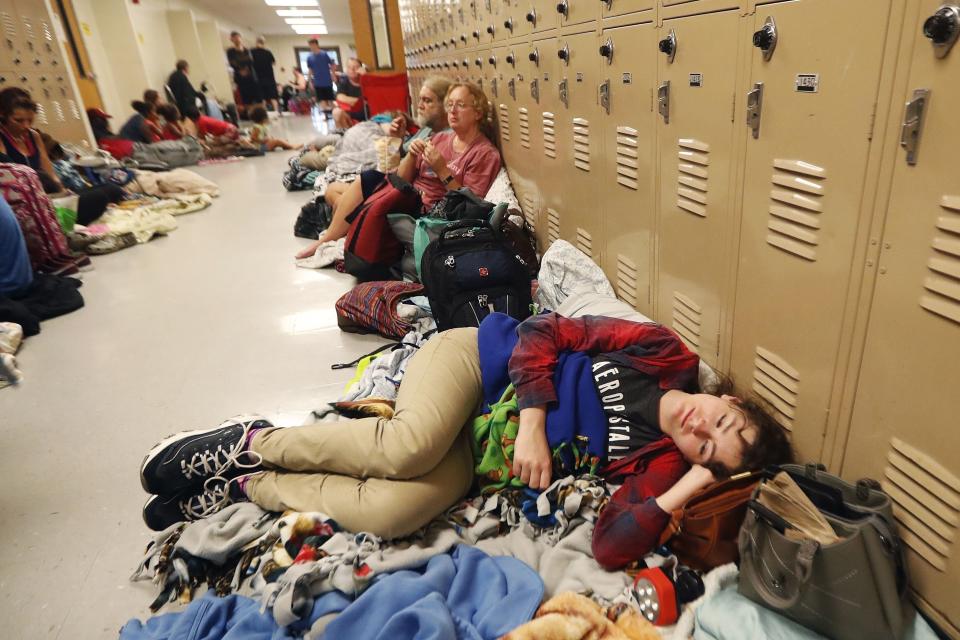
[
  {"x": 156, "y": 42},
  {"x": 214, "y": 59},
  {"x": 102, "y": 67},
  {"x": 283, "y": 49}
]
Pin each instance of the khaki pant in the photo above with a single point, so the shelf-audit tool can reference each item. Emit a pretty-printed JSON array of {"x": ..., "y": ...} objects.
[{"x": 388, "y": 477}]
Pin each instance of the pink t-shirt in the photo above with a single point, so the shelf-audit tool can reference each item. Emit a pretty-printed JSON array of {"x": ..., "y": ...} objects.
[{"x": 475, "y": 168}]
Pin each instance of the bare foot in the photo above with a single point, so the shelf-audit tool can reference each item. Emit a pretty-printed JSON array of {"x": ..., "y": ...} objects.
[{"x": 309, "y": 250}]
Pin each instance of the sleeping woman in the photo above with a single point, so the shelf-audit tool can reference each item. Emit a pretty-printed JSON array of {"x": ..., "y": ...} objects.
[{"x": 623, "y": 395}]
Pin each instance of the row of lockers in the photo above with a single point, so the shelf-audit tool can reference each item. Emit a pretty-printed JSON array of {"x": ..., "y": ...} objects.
[
  {"x": 31, "y": 57},
  {"x": 750, "y": 177}
]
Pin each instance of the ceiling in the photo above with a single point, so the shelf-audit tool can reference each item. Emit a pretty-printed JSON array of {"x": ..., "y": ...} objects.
[{"x": 256, "y": 16}]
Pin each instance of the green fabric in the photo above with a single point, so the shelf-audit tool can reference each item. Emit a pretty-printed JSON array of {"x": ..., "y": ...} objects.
[
  {"x": 361, "y": 367},
  {"x": 494, "y": 436},
  {"x": 428, "y": 230}
]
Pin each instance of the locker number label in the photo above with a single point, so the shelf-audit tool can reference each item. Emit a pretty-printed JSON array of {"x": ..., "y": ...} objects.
[
  {"x": 627, "y": 78},
  {"x": 579, "y": 77},
  {"x": 808, "y": 82},
  {"x": 546, "y": 77},
  {"x": 696, "y": 79}
]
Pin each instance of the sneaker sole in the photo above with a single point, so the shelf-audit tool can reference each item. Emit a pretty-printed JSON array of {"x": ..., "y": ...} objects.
[{"x": 163, "y": 444}]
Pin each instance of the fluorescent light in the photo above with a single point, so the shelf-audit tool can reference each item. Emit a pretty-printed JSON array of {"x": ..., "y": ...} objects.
[
  {"x": 309, "y": 29},
  {"x": 305, "y": 21},
  {"x": 291, "y": 3},
  {"x": 286, "y": 13}
]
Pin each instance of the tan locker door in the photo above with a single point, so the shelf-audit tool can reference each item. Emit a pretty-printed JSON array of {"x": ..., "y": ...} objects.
[
  {"x": 628, "y": 168},
  {"x": 577, "y": 11},
  {"x": 544, "y": 14},
  {"x": 526, "y": 174},
  {"x": 580, "y": 221},
  {"x": 552, "y": 111},
  {"x": 695, "y": 153},
  {"x": 504, "y": 105},
  {"x": 620, "y": 7},
  {"x": 803, "y": 183},
  {"x": 904, "y": 428},
  {"x": 13, "y": 45}
]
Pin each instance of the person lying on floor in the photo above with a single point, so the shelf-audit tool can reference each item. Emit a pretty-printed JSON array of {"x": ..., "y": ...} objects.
[
  {"x": 391, "y": 476},
  {"x": 431, "y": 118},
  {"x": 260, "y": 132},
  {"x": 23, "y": 144},
  {"x": 462, "y": 157}
]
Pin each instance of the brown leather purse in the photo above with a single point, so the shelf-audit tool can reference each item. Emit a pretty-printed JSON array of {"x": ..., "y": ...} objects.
[{"x": 704, "y": 531}]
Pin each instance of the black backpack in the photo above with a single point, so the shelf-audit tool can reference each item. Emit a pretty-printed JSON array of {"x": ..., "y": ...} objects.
[{"x": 470, "y": 271}]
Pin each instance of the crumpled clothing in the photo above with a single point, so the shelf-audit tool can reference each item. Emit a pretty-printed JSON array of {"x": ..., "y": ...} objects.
[
  {"x": 325, "y": 255},
  {"x": 142, "y": 222},
  {"x": 566, "y": 271},
  {"x": 9, "y": 374},
  {"x": 110, "y": 243},
  {"x": 181, "y": 203},
  {"x": 167, "y": 183},
  {"x": 381, "y": 378}
]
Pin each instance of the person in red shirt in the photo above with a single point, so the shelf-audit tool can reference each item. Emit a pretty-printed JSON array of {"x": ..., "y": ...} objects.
[
  {"x": 212, "y": 127},
  {"x": 171, "y": 122}
]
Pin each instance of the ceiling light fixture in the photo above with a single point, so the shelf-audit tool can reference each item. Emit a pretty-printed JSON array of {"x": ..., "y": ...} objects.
[
  {"x": 291, "y": 3},
  {"x": 309, "y": 29},
  {"x": 289, "y": 13},
  {"x": 305, "y": 21}
]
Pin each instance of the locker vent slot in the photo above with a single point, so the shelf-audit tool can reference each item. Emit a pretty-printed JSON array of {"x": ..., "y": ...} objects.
[
  {"x": 549, "y": 135},
  {"x": 529, "y": 212},
  {"x": 505, "y": 122},
  {"x": 628, "y": 157},
  {"x": 581, "y": 144},
  {"x": 42, "y": 114},
  {"x": 942, "y": 284},
  {"x": 524, "y": 128},
  {"x": 74, "y": 109},
  {"x": 585, "y": 242},
  {"x": 926, "y": 502},
  {"x": 9, "y": 26},
  {"x": 687, "y": 319},
  {"x": 778, "y": 383},
  {"x": 47, "y": 32},
  {"x": 692, "y": 174},
  {"x": 795, "y": 207},
  {"x": 627, "y": 280},
  {"x": 28, "y": 30},
  {"x": 553, "y": 225},
  {"x": 58, "y": 111}
]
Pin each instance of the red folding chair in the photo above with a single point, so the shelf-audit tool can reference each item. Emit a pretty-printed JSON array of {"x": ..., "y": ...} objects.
[{"x": 385, "y": 93}]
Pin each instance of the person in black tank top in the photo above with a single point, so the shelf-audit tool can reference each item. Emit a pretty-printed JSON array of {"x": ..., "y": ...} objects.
[{"x": 20, "y": 142}]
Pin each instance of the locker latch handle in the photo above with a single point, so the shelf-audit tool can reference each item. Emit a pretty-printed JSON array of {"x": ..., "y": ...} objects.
[
  {"x": 493, "y": 88},
  {"x": 754, "y": 108},
  {"x": 563, "y": 8},
  {"x": 532, "y": 17},
  {"x": 766, "y": 38},
  {"x": 606, "y": 50},
  {"x": 912, "y": 127},
  {"x": 534, "y": 56},
  {"x": 535, "y": 90},
  {"x": 512, "y": 88},
  {"x": 943, "y": 29},
  {"x": 605, "y": 96},
  {"x": 669, "y": 45},
  {"x": 609, "y": 4},
  {"x": 564, "y": 54},
  {"x": 564, "y": 97},
  {"x": 663, "y": 101}
]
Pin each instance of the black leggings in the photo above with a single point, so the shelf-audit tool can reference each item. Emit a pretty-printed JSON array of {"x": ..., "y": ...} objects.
[{"x": 94, "y": 200}]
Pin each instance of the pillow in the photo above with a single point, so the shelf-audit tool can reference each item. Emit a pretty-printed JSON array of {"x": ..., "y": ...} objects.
[{"x": 502, "y": 191}]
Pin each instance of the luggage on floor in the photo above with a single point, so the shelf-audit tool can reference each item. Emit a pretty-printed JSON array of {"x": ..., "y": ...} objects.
[
  {"x": 825, "y": 553},
  {"x": 314, "y": 218},
  {"x": 172, "y": 153},
  {"x": 470, "y": 271},
  {"x": 371, "y": 249},
  {"x": 371, "y": 307},
  {"x": 299, "y": 177}
]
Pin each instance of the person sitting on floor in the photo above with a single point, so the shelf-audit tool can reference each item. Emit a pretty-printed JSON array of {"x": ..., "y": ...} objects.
[
  {"x": 171, "y": 122},
  {"x": 142, "y": 126},
  {"x": 152, "y": 97},
  {"x": 208, "y": 127},
  {"x": 349, "y": 99},
  {"x": 462, "y": 157},
  {"x": 431, "y": 118},
  {"x": 260, "y": 132},
  {"x": 635, "y": 384}
]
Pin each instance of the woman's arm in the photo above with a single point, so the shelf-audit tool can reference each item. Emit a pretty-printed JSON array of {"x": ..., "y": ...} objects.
[
  {"x": 45, "y": 163},
  {"x": 408, "y": 166},
  {"x": 631, "y": 524},
  {"x": 542, "y": 338}
]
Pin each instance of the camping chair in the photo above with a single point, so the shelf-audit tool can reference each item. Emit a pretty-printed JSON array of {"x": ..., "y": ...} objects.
[{"x": 385, "y": 93}]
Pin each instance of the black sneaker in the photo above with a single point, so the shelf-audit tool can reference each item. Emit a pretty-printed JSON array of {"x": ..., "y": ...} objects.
[
  {"x": 187, "y": 460},
  {"x": 161, "y": 512}
]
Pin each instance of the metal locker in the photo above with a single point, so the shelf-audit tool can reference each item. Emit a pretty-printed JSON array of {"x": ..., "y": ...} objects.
[
  {"x": 813, "y": 87},
  {"x": 627, "y": 76},
  {"x": 570, "y": 12},
  {"x": 696, "y": 80},
  {"x": 525, "y": 174},
  {"x": 620, "y": 7},
  {"x": 578, "y": 125},
  {"x": 550, "y": 79},
  {"x": 540, "y": 15},
  {"x": 13, "y": 44},
  {"x": 504, "y": 102},
  {"x": 903, "y": 429}
]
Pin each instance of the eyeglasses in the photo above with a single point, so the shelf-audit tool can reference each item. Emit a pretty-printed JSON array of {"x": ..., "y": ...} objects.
[{"x": 459, "y": 106}]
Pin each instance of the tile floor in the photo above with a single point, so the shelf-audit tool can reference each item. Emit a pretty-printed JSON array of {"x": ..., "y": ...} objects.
[{"x": 183, "y": 332}]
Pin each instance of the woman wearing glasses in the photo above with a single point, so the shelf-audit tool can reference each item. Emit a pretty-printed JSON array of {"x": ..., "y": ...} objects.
[{"x": 463, "y": 156}]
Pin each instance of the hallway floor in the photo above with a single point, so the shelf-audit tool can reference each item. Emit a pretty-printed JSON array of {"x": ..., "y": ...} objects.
[{"x": 183, "y": 332}]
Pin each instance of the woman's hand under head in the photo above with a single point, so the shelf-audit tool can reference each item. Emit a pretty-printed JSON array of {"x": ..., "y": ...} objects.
[
  {"x": 532, "y": 460},
  {"x": 707, "y": 429}
]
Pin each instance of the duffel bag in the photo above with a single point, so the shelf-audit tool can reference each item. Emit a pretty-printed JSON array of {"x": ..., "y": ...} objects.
[{"x": 371, "y": 307}]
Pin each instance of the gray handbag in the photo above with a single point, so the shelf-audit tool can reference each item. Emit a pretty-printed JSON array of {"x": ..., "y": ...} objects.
[{"x": 852, "y": 589}]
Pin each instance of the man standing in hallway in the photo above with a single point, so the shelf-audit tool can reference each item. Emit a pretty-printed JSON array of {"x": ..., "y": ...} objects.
[
  {"x": 263, "y": 62},
  {"x": 184, "y": 95},
  {"x": 321, "y": 74}
]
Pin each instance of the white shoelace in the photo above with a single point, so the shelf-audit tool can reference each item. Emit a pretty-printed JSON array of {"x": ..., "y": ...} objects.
[
  {"x": 209, "y": 502},
  {"x": 215, "y": 463}
]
